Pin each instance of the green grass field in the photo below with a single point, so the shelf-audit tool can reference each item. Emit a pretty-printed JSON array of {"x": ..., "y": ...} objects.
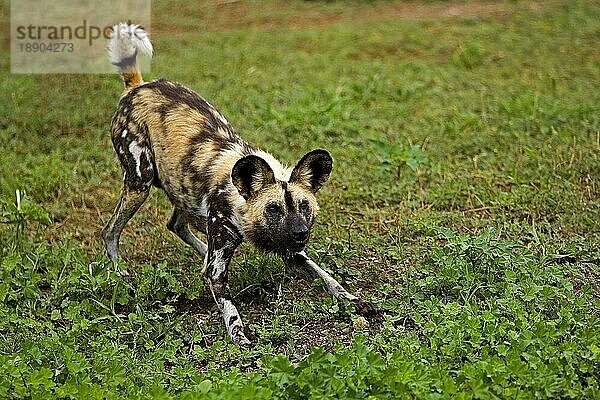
[{"x": 465, "y": 202}]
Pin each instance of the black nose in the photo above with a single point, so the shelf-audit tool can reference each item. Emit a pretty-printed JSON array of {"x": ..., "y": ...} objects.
[{"x": 300, "y": 234}]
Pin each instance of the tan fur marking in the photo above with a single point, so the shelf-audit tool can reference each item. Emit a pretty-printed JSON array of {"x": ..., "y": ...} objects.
[
  {"x": 257, "y": 204},
  {"x": 301, "y": 192},
  {"x": 182, "y": 125},
  {"x": 203, "y": 157},
  {"x": 184, "y": 122},
  {"x": 132, "y": 77},
  {"x": 223, "y": 164},
  {"x": 146, "y": 104}
]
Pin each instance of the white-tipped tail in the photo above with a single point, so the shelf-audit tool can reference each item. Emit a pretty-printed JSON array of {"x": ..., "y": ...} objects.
[{"x": 125, "y": 41}]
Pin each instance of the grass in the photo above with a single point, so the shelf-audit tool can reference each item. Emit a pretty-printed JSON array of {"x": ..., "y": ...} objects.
[{"x": 465, "y": 201}]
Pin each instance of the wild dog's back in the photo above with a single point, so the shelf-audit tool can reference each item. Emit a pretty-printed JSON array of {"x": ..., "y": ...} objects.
[{"x": 186, "y": 137}]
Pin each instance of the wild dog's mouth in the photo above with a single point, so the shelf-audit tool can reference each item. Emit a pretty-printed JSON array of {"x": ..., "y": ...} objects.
[
  {"x": 298, "y": 245},
  {"x": 299, "y": 237}
]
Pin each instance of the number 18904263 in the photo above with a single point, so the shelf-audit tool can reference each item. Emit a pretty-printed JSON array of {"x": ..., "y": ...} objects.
[{"x": 41, "y": 47}]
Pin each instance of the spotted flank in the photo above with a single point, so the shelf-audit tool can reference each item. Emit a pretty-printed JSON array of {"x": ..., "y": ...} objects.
[{"x": 167, "y": 136}]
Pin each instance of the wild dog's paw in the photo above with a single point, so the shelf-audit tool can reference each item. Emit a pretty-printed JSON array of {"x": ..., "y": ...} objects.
[
  {"x": 121, "y": 272},
  {"x": 242, "y": 341},
  {"x": 366, "y": 308},
  {"x": 239, "y": 339},
  {"x": 245, "y": 342},
  {"x": 114, "y": 268}
]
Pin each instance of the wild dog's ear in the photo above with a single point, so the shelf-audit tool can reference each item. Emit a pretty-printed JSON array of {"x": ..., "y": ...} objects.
[
  {"x": 313, "y": 169},
  {"x": 250, "y": 174}
]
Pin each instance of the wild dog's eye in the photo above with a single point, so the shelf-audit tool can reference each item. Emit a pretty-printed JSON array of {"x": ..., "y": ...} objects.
[
  {"x": 304, "y": 206},
  {"x": 273, "y": 208}
]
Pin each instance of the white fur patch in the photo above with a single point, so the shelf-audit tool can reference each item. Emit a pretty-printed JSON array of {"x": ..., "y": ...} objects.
[
  {"x": 230, "y": 230},
  {"x": 218, "y": 264},
  {"x": 230, "y": 311},
  {"x": 137, "y": 151},
  {"x": 204, "y": 206},
  {"x": 205, "y": 264},
  {"x": 125, "y": 40},
  {"x": 219, "y": 116},
  {"x": 124, "y": 133}
]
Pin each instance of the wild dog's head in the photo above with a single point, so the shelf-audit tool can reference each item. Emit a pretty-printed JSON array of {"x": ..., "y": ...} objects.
[{"x": 280, "y": 214}]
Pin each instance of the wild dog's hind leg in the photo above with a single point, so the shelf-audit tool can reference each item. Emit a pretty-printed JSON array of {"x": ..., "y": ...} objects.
[
  {"x": 129, "y": 203},
  {"x": 179, "y": 225},
  {"x": 301, "y": 264},
  {"x": 138, "y": 174}
]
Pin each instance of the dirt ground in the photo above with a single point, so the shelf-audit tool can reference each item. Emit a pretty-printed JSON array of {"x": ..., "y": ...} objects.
[{"x": 226, "y": 15}]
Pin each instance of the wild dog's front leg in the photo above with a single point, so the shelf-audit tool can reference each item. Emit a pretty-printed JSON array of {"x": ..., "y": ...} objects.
[
  {"x": 303, "y": 265},
  {"x": 221, "y": 245}
]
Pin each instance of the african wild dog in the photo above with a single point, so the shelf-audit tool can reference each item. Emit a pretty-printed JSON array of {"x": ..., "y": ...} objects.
[{"x": 166, "y": 135}]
